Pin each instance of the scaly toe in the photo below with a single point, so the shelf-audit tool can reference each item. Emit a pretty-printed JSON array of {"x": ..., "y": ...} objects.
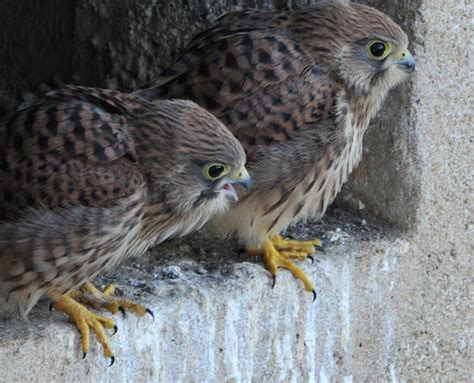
[
  {"x": 308, "y": 247},
  {"x": 299, "y": 255},
  {"x": 109, "y": 290},
  {"x": 279, "y": 253},
  {"x": 85, "y": 320},
  {"x": 89, "y": 295},
  {"x": 136, "y": 308}
]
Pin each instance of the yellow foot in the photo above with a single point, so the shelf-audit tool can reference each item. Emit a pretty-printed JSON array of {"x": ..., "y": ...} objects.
[
  {"x": 279, "y": 253},
  {"x": 89, "y": 295},
  {"x": 303, "y": 248},
  {"x": 86, "y": 320}
]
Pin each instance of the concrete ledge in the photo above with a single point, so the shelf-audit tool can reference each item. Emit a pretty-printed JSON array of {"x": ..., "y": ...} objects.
[{"x": 218, "y": 320}]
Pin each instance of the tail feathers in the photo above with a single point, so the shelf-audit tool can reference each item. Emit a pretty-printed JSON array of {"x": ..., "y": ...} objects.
[
  {"x": 155, "y": 92},
  {"x": 32, "y": 253},
  {"x": 60, "y": 250}
]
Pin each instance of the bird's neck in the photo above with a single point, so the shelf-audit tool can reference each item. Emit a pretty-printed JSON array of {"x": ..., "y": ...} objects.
[
  {"x": 355, "y": 113},
  {"x": 363, "y": 106}
]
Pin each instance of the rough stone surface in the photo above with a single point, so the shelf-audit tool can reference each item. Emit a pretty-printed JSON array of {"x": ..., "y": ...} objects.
[
  {"x": 393, "y": 305},
  {"x": 148, "y": 35},
  {"x": 35, "y": 39},
  {"x": 442, "y": 116}
]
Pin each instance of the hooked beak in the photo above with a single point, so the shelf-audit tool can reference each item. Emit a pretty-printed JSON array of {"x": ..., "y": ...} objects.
[
  {"x": 406, "y": 60},
  {"x": 241, "y": 177}
]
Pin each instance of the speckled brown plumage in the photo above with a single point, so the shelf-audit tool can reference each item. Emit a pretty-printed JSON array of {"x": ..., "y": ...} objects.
[
  {"x": 298, "y": 90},
  {"x": 90, "y": 176}
]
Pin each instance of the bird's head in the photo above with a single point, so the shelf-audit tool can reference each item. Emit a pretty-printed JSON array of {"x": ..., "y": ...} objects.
[
  {"x": 202, "y": 160},
  {"x": 360, "y": 45}
]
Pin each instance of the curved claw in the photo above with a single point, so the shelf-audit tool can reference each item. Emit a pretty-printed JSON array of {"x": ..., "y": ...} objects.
[
  {"x": 320, "y": 249},
  {"x": 274, "y": 278},
  {"x": 115, "y": 330},
  {"x": 122, "y": 310},
  {"x": 84, "y": 355},
  {"x": 51, "y": 306},
  {"x": 112, "y": 361},
  {"x": 314, "y": 295},
  {"x": 151, "y": 313},
  {"x": 311, "y": 258}
]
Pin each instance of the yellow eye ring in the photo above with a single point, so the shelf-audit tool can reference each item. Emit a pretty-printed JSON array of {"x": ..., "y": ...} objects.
[
  {"x": 216, "y": 170},
  {"x": 378, "y": 49}
]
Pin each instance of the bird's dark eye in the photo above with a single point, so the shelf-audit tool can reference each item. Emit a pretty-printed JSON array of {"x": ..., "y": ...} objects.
[
  {"x": 214, "y": 171},
  {"x": 378, "y": 50}
]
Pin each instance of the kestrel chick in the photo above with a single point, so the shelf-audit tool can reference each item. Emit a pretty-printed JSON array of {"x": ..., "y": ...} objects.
[
  {"x": 89, "y": 177},
  {"x": 298, "y": 89}
]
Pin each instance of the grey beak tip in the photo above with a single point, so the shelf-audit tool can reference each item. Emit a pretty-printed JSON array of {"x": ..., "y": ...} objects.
[
  {"x": 247, "y": 185},
  {"x": 410, "y": 65}
]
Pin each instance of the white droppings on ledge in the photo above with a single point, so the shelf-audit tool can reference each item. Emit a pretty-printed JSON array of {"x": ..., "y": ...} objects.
[{"x": 345, "y": 303}]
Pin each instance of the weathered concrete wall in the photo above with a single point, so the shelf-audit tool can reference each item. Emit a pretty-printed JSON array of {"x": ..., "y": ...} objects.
[
  {"x": 443, "y": 127},
  {"x": 36, "y": 40},
  {"x": 127, "y": 44},
  {"x": 391, "y": 307}
]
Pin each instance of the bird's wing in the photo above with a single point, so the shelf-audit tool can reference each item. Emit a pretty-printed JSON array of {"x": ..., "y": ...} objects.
[
  {"x": 260, "y": 82},
  {"x": 73, "y": 148}
]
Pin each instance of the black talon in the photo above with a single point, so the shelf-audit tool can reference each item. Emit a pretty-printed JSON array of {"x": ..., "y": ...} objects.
[
  {"x": 325, "y": 241},
  {"x": 314, "y": 295},
  {"x": 241, "y": 251},
  {"x": 274, "y": 277},
  {"x": 84, "y": 355},
  {"x": 112, "y": 361},
  {"x": 311, "y": 258},
  {"x": 320, "y": 249},
  {"x": 115, "y": 330},
  {"x": 151, "y": 313},
  {"x": 51, "y": 306},
  {"x": 122, "y": 310}
]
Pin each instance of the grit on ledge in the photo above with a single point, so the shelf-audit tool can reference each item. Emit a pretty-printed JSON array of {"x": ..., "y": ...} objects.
[{"x": 218, "y": 319}]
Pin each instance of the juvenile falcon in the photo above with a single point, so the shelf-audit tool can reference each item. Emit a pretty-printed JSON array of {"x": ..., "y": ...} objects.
[
  {"x": 298, "y": 89},
  {"x": 89, "y": 177}
]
